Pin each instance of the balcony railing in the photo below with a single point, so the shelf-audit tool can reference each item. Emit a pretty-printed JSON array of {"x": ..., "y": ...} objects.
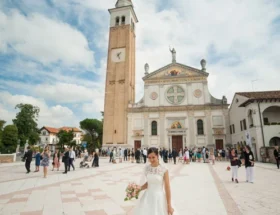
[{"x": 271, "y": 123}]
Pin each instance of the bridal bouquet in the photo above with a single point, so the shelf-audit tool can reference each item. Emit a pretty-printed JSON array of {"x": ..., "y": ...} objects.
[{"x": 132, "y": 191}]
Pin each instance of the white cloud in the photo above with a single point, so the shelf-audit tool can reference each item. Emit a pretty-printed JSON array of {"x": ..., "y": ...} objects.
[
  {"x": 49, "y": 115},
  {"x": 236, "y": 29},
  {"x": 44, "y": 40}
]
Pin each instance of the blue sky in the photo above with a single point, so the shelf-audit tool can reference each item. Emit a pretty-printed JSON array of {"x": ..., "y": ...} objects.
[{"x": 53, "y": 52}]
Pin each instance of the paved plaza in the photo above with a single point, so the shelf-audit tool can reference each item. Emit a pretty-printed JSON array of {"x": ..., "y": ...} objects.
[{"x": 197, "y": 189}]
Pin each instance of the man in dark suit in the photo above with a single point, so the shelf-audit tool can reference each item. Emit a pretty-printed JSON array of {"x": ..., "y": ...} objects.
[
  {"x": 277, "y": 155},
  {"x": 137, "y": 155},
  {"x": 66, "y": 159},
  {"x": 165, "y": 155},
  {"x": 125, "y": 155},
  {"x": 174, "y": 155},
  {"x": 28, "y": 158}
]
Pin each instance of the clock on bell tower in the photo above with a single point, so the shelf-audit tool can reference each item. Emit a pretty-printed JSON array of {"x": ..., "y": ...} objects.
[{"x": 120, "y": 75}]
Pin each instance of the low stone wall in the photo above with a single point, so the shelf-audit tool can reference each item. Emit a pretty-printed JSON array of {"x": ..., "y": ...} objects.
[{"x": 7, "y": 158}]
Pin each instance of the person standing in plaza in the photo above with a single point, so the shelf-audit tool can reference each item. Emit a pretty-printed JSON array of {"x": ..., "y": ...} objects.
[
  {"x": 114, "y": 156},
  {"x": 180, "y": 156},
  {"x": 204, "y": 154},
  {"x": 65, "y": 160},
  {"x": 157, "y": 198},
  {"x": 28, "y": 159},
  {"x": 95, "y": 162},
  {"x": 249, "y": 164},
  {"x": 277, "y": 155},
  {"x": 132, "y": 155},
  {"x": 72, "y": 157},
  {"x": 56, "y": 158},
  {"x": 37, "y": 160},
  {"x": 121, "y": 154},
  {"x": 111, "y": 156},
  {"x": 128, "y": 154},
  {"x": 137, "y": 155},
  {"x": 160, "y": 152},
  {"x": 125, "y": 155},
  {"x": 187, "y": 156},
  {"x": 145, "y": 155},
  {"x": 45, "y": 160},
  {"x": 198, "y": 154},
  {"x": 174, "y": 155},
  {"x": 234, "y": 165}
]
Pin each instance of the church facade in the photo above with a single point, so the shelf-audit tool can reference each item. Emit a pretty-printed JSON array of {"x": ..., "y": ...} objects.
[{"x": 177, "y": 109}]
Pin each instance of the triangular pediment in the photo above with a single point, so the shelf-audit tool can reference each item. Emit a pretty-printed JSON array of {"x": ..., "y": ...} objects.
[{"x": 175, "y": 70}]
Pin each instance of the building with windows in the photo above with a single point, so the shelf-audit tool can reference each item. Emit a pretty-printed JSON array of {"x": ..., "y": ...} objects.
[
  {"x": 48, "y": 136},
  {"x": 255, "y": 119},
  {"x": 177, "y": 109}
]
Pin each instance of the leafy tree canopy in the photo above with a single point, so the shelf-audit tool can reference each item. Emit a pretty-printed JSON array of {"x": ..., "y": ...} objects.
[
  {"x": 26, "y": 122},
  {"x": 94, "y": 128},
  {"x": 9, "y": 139},
  {"x": 2, "y": 123},
  {"x": 66, "y": 138}
]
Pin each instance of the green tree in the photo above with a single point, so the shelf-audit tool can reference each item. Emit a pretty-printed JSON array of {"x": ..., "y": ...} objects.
[
  {"x": 66, "y": 138},
  {"x": 2, "y": 123},
  {"x": 9, "y": 139},
  {"x": 94, "y": 128},
  {"x": 26, "y": 122}
]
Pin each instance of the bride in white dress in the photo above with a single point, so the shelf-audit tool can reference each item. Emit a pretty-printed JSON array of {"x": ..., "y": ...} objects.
[{"x": 157, "y": 198}]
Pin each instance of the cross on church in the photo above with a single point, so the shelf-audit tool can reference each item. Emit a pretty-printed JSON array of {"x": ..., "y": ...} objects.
[{"x": 175, "y": 94}]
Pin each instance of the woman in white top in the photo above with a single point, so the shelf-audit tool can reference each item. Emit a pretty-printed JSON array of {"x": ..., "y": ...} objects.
[{"x": 157, "y": 198}]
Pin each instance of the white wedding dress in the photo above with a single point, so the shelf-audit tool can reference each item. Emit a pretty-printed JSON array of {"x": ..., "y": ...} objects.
[{"x": 153, "y": 201}]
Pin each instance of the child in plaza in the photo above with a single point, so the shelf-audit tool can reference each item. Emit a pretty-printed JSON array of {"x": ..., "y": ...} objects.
[
  {"x": 249, "y": 164},
  {"x": 37, "y": 160}
]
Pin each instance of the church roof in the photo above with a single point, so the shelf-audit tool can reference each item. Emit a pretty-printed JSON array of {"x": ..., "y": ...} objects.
[{"x": 199, "y": 72}]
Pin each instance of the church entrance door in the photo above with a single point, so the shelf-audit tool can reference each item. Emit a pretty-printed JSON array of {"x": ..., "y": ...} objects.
[
  {"x": 219, "y": 144},
  {"x": 177, "y": 143},
  {"x": 137, "y": 144}
]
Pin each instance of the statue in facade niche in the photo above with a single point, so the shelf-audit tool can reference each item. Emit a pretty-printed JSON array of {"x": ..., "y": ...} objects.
[
  {"x": 147, "y": 68},
  {"x": 173, "y": 52}
]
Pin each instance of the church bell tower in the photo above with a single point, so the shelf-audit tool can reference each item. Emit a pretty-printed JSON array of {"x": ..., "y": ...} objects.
[{"x": 120, "y": 75}]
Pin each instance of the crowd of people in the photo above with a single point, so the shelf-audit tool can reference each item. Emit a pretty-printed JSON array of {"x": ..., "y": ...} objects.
[
  {"x": 68, "y": 157},
  {"x": 185, "y": 156}
]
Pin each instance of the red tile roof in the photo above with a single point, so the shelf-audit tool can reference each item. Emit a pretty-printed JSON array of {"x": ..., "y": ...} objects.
[
  {"x": 261, "y": 94},
  {"x": 70, "y": 129},
  {"x": 56, "y": 130},
  {"x": 51, "y": 130}
]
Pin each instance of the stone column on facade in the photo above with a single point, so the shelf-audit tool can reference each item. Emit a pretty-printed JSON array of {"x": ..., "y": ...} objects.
[
  {"x": 130, "y": 129},
  {"x": 209, "y": 129},
  {"x": 146, "y": 129},
  {"x": 162, "y": 129},
  {"x": 227, "y": 123},
  {"x": 191, "y": 129}
]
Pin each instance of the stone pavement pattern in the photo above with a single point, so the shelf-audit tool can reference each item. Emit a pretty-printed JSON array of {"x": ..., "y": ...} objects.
[{"x": 196, "y": 189}]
